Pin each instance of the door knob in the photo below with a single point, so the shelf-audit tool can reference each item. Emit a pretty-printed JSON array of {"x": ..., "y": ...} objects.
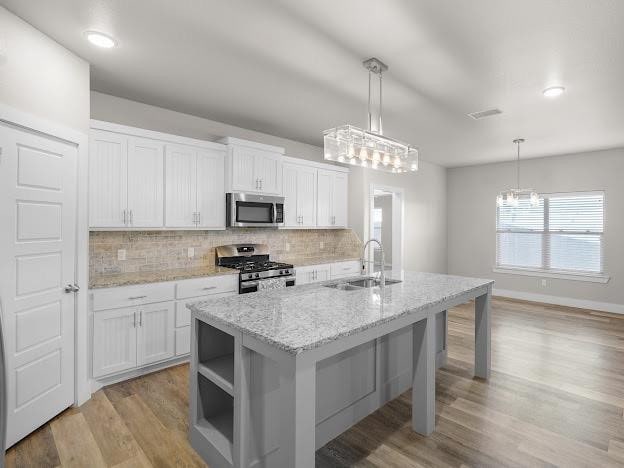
[{"x": 72, "y": 288}]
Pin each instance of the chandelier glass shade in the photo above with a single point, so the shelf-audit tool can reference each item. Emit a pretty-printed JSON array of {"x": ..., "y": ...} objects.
[
  {"x": 348, "y": 144},
  {"x": 511, "y": 197}
]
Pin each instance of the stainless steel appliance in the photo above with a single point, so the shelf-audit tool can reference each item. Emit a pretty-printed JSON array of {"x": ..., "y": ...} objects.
[
  {"x": 250, "y": 210},
  {"x": 256, "y": 271}
]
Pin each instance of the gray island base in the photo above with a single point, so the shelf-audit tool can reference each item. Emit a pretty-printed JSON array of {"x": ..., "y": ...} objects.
[{"x": 277, "y": 374}]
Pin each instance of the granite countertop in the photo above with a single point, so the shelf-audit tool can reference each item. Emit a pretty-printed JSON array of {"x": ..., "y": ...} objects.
[
  {"x": 305, "y": 317},
  {"x": 126, "y": 279}
]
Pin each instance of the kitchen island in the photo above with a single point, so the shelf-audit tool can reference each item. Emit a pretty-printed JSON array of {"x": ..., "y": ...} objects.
[{"x": 277, "y": 374}]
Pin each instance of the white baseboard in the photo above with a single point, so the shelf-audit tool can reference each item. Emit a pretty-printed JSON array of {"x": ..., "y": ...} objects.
[{"x": 558, "y": 300}]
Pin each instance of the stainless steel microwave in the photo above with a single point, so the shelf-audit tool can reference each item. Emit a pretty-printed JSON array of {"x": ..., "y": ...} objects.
[{"x": 250, "y": 210}]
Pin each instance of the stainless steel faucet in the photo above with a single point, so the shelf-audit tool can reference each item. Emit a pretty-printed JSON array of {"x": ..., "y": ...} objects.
[{"x": 364, "y": 262}]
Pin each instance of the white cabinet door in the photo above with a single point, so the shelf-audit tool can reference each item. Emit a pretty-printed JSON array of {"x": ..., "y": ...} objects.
[
  {"x": 108, "y": 157},
  {"x": 210, "y": 189},
  {"x": 114, "y": 340},
  {"x": 182, "y": 341},
  {"x": 324, "y": 209},
  {"x": 304, "y": 275},
  {"x": 244, "y": 173},
  {"x": 340, "y": 199},
  {"x": 321, "y": 273},
  {"x": 155, "y": 333},
  {"x": 180, "y": 186},
  {"x": 306, "y": 196},
  {"x": 145, "y": 182},
  {"x": 268, "y": 169},
  {"x": 290, "y": 193}
]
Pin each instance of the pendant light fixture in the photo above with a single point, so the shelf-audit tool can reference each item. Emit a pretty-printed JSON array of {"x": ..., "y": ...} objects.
[
  {"x": 349, "y": 144},
  {"x": 512, "y": 196}
]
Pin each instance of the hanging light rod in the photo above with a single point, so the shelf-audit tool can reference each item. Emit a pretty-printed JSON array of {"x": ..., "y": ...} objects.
[
  {"x": 349, "y": 144},
  {"x": 512, "y": 196}
]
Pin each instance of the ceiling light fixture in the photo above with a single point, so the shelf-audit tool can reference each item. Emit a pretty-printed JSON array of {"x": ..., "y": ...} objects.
[
  {"x": 512, "y": 196},
  {"x": 553, "y": 91},
  {"x": 343, "y": 143},
  {"x": 100, "y": 39}
]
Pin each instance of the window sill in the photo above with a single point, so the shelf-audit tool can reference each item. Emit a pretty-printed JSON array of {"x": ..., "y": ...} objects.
[{"x": 588, "y": 277}]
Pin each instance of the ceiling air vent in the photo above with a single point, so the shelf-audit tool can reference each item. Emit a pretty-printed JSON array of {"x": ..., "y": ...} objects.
[{"x": 485, "y": 113}]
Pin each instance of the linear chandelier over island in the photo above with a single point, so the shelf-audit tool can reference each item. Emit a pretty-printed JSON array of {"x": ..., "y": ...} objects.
[{"x": 349, "y": 144}]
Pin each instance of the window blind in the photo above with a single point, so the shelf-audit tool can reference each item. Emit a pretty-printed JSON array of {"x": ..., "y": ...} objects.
[{"x": 563, "y": 233}]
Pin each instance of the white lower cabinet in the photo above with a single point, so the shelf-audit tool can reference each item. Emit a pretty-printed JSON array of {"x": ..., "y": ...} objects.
[
  {"x": 345, "y": 269},
  {"x": 114, "y": 341},
  {"x": 155, "y": 333},
  {"x": 312, "y": 274}
]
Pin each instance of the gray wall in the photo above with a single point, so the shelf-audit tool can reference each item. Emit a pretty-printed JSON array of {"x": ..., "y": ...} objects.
[
  {"x": 472, "y": 218},
  {"x": 39, "y": 77},
  {"x": 425, "y": 190}
]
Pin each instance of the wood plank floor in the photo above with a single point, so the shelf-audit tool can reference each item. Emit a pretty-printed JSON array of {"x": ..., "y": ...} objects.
[{"x": 555, "y": 398}]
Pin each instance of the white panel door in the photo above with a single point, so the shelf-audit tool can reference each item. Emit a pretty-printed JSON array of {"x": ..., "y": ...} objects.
[
  {"x": 268, "y": 167},
  {"x": 211, "y": 189},
  {"x": 37, "y": 256},
  {"x": 306, "y": 196},
  {"x": 340, "y": 199},
  {"x": 180, "y": 186},
  {"x": 114, "y": 340},
  {"x": 155, "y": 332},
  {"x": 108, "y": 156},
  {"x": 325, "y": 188},
  {"x": 244, "y": 173},
  {"x": 289, "y": 191},
  {"x": 146, "y": 161}
]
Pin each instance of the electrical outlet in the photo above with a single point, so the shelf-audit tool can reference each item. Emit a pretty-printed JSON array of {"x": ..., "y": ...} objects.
[
  {"x": 287, "y": 247},
  {"x": 191, "y": 252},
  {"x": 321, "y": 245},
  {"x": 121, "y": 254},
  {"x": 543, "y": 283}
]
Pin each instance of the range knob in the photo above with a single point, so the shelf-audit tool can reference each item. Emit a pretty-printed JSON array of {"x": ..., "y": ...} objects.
[
  {"x": 282, "y": 272},
  {"x": 257, "y": 275},
  {"x": 249, "y": 276}
]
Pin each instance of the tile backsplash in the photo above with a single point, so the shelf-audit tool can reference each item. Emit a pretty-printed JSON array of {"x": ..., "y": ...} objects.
[{"x": 161, "y": 250}]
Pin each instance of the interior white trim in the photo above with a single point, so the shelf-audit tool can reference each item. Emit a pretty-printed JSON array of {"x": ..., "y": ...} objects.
[
  {"x": 82, "y": 391},
  {"x": 563, "y": 301},
  {"x": 154, "y": 135},
  {"x": 251, "y": 144},
  {"x": 591, "y": 278}
]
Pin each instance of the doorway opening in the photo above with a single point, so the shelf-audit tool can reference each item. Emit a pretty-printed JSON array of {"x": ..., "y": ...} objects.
[{"x": 386, "y": 225}]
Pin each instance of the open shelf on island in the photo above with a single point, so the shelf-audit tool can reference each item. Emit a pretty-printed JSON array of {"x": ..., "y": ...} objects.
[
  {"x": 219, "y": 370},
  {"x": 215, "y": 418}
]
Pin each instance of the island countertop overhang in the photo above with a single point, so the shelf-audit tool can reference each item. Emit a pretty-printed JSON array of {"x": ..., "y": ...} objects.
[{"x": 302, "y": 318}]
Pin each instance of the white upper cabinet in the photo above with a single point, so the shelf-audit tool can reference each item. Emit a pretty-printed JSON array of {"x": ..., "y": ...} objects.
[
  {"x": 108, "y": 179},
  {"x": 253, "y": 167},
  {"x": 145, "y": 182},
  {"x": 181, "y": 195},
  {"x": 211, "y": 189},
  {"x": 139, "y": 179},
  {"x": 299, "y": 190},
  {"x": 332, "y": 202},
  {"x": 195, "y": 188}
]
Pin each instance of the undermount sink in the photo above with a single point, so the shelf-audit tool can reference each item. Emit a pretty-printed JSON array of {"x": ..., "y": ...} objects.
[{"x": 360, "y": 284}]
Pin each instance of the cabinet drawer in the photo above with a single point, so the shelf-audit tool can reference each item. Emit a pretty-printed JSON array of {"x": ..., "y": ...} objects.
[
  {"x": 207, "y": 286},
  {"x": 349, "y": 268},
  {"x": 182, "y": 340},
  {"x": 128, "y": 296},
  {"x": 183, "y": 314}
]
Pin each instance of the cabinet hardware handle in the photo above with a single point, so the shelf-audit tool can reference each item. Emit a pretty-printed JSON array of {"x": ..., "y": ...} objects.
[
  {"x": 257, "y": 188},
  {"x": 131, "y": 217},
  {"x": 124, "y": 218},
  {"x": 209, "y": 287},
  {"x": 198, "y": 218},
  {"x": 134, "y": 322},
  {"x": 260, "y": 184},
  {"x": 140, "y": 318},
  {"x": 136, "y": 297}
]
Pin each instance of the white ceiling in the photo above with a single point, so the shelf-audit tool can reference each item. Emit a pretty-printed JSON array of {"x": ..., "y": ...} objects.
[{"x": 293, "y": 68}]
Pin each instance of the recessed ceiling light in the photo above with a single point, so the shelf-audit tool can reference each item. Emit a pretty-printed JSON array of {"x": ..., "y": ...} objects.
[
  {"x": 100, "y": 39},
  {"x": 553, "y": 91}
]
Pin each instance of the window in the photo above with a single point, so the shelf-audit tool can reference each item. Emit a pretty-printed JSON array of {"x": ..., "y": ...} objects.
[{"x": 564, "y": 233}]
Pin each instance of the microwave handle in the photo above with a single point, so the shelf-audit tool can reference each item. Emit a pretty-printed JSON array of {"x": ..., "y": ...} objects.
[{"x": 274, "y": 212}]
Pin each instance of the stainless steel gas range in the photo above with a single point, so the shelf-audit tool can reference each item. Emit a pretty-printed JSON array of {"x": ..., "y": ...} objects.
[{"x": 256, "y": 271}]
